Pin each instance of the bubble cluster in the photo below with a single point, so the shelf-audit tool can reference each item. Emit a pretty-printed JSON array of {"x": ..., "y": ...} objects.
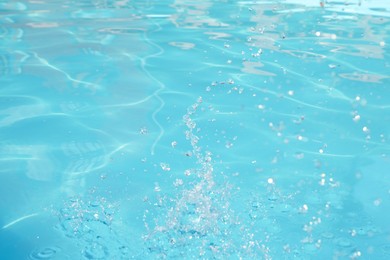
[{"x": 90, "y": 223}]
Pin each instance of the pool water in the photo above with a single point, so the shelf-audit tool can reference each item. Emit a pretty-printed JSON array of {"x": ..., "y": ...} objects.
[{"x": 195, "y": 129}]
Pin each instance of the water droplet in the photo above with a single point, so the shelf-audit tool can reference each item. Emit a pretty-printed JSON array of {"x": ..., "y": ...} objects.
[
  {"x": 228, "y": 144},
  {"x": 165, "y": 167},
  {"x": 157, "y": 187},
  {"x": 187, "y": 172},
  {"x": 178, "y": 182},
  {"x": 304, "y": 208},
  {"x": 355, "y": 255},
  {"x": 261, "y": 107},
  {"x": 356, "y": 118},
  {"x": 143, "y": 131}
]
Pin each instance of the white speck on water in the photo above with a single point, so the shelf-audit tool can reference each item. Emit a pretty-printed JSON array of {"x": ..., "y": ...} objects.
[
  {"x": 143, "y": 131},
  {"x": 304, "y": 208},
  {"x": 355, "y": 255},
  {"x": 228, "y": 144},
  {"x": 261, "y": 107},
  {"x": 377, "y": 202},
  {"x": 178, "y": 182},
  {"x": 165, "y": 167},
  {"x": 157, "y": 187}
]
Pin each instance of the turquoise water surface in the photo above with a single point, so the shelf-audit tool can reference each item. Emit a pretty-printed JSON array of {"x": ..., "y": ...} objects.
[{"x": 195, "y": 129}]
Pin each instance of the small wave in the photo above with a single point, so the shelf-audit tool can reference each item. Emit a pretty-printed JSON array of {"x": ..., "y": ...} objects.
[{"x": 44, "y": 253}]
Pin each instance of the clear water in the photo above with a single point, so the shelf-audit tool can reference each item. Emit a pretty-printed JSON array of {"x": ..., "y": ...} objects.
[{"x": 195, "y": 129}]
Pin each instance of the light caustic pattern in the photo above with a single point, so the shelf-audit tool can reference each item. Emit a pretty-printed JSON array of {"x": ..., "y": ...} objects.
[
  {"x": 199, "y": 221},
  {"x": 304, "y": 104}
]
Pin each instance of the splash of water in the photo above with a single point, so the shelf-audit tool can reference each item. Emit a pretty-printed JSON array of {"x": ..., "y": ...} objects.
[{"x": 198, "y": 222}]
